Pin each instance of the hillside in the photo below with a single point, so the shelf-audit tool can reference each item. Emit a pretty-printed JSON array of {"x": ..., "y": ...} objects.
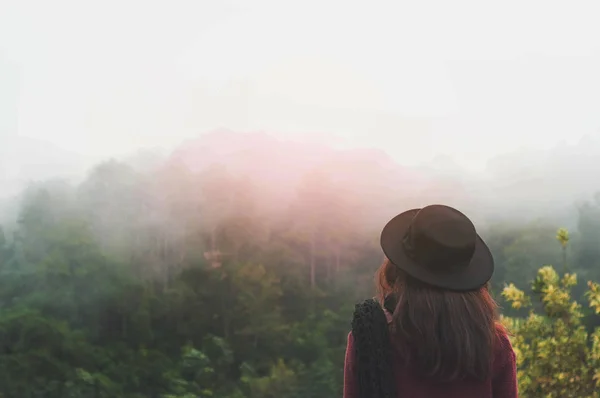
[
  {"x": 525, "y": 184},
  {"x": 276, "y": 167},
  {"x": 24, "y": 159}
]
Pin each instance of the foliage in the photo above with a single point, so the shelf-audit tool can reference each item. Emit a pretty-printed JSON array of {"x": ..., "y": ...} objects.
[
  {"x": 557, "y": 356},
  {"x": 562, "y": 236},
  {"x": 181, "y": 284},
  {"x": 106, "y": 291}
]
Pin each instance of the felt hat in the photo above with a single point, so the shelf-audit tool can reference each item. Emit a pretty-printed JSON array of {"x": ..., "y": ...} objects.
[{"x": 438, "y": 245}]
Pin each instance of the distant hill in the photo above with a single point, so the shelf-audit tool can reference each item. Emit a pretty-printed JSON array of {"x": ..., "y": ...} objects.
[
  {"x": 522, "y": 185},
  {"x": 277, "y": 166},
  {"x": 24, "y": 159},
  {"x": 519, "y": 186},
  {"x": 545, "y": 183}
]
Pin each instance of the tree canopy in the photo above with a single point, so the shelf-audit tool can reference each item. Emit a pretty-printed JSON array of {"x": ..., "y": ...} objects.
[{"x": 182, "y": 283}]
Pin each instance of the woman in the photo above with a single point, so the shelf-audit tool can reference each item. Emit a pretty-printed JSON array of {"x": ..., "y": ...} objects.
[{"x": 433, "y": 330}]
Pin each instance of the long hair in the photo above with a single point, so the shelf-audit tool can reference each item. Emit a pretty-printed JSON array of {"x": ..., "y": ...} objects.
[{"x": 443, "y": 335}]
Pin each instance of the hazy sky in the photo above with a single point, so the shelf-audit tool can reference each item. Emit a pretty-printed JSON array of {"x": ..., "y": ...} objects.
[{"x": 417, "y": 78}]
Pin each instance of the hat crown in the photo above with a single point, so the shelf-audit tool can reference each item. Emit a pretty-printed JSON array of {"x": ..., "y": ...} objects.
[
  {"x": 440, "y": 238},
  {"x": 438, "y": 245}
]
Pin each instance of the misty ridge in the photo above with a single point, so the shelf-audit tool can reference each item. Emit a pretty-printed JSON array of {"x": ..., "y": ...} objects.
[
  {"x": 518, "y": 187},
  {"x": 225, "y": 190}
]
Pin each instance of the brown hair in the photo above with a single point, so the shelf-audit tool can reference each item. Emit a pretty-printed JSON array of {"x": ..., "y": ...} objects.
[{"x": 445, "y": 335}]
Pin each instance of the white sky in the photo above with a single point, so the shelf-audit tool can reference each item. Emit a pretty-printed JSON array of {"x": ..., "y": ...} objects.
[{"x": 416, "y": 78}]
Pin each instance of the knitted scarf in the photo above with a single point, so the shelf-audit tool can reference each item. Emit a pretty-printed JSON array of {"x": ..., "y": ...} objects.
[{"x": 373, "y": 348}]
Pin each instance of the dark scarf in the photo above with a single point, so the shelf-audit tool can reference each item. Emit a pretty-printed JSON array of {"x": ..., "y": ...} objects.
[{"x": 373, "y": 348}]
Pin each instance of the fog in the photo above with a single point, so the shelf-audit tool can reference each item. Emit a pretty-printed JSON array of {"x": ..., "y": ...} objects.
[
  {"x": 192, "y": 192},
  {"x": 490, "y": 107}
]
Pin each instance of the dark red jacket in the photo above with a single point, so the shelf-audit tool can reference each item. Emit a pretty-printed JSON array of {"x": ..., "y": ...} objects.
[{"x": 502, "y": 383}]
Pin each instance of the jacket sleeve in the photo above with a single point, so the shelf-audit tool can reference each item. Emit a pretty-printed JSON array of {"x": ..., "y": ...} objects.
[
  {"x": 350, "y": 381},
  {"x": 504, "y": 382}
]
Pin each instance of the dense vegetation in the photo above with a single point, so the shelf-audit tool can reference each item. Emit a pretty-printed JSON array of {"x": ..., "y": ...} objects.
[
  {"x": 557, "y": 356},
  {"x": 174, "y": 283}
]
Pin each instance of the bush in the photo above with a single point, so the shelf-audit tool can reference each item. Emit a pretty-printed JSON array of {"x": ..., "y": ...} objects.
[{"x": 556, "y": 355}]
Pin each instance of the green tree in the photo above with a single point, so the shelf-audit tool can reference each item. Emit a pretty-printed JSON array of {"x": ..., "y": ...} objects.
[
  {"x": 557, "y": 356},
  {"x": 586, "y": 249},
  {"x": 520, "y": 249},
  {"x": 280, "y": 382},
  {"x": 562, "y": 236}
]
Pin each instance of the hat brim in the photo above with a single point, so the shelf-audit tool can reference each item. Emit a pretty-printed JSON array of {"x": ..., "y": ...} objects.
[{"x": 475, "y": 275}]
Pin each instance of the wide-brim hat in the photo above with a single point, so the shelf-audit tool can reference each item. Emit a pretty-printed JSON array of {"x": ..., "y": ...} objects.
[{"x": 438, "y": 245}]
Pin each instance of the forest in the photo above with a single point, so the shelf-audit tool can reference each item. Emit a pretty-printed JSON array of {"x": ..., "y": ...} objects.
[{"x": 201, "y": 276}]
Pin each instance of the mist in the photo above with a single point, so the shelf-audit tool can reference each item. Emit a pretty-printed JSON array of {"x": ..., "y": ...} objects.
[
  {"x": 131, "y": 123},
  {"x": 413, "y": 82},
  {"x": 75, "y": 93},
  {"x": 519, "y": 186},
  {"x": 196, "y": 189}
]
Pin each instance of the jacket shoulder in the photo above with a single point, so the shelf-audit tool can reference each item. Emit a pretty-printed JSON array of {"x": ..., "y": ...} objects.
[{"x": 504, "y": 352}]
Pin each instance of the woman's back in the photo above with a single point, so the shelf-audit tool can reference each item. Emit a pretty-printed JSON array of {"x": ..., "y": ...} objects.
[
  {"x": 500, "y": 383},
  {"x": 433, "y": 330},
  {"x": 409, "y": 384}
]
